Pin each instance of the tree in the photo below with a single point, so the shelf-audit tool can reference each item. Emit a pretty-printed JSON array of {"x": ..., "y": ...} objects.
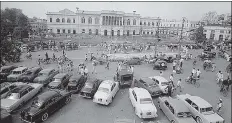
[
  {"x": 210, "y": 18},
  {"x": 199, "y": 35}
]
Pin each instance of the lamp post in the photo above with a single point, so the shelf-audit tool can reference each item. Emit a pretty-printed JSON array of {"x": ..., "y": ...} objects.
[
  {"x": 78, "y": 19},
  {"x": 158, "y": 23},
  {"x": 181, "y": 32}
]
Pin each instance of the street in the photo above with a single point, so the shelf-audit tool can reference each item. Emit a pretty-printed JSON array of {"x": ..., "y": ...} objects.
[{"x": 81, "y": 110}]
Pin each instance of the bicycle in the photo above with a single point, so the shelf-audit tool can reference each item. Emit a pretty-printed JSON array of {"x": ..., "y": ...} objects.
[{"x": 193, "y": 81}]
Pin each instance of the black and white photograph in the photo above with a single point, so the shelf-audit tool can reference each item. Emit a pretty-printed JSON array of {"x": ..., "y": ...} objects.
[{"x": 116, "y": 62}]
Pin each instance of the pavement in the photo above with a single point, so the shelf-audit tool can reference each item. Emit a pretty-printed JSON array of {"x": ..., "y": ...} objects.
[{"x": 81, "y": 110}]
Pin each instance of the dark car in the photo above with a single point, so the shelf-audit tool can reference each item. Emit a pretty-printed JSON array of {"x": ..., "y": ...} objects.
[
  {"x": 124, "y": 77},
  {"x": 60, "y": 81},
  {"x": 158, "y": 65},
  {"x": 44, "y": 105},
  {"x": 76, "y": 82},
  {"x": 134, "y": 61},
  {"x": 5, "y": 71},
  {"x": 90, "y": 87},
  {"x": 30, "y": 74},
  {"x": 45, "y": 76},
  {"x": 149, "y": 85},
  {"x": 5, "y": 117}
]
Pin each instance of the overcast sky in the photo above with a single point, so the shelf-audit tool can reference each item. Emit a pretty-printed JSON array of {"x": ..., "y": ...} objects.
[{"x": 165, "y": 10}]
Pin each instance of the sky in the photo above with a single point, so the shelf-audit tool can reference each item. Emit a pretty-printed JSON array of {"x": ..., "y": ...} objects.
[{"x": 165, "y": 10}]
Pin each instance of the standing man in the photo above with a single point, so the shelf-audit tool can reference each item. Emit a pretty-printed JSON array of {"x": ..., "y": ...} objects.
[
  {"x": 169, "y": 87},
  {"x": 85, "y": 71},
  {"x": 181, "y": 62},
  {"x": 174, "y": 66},
  {"x": 132, "y": 69},
  {"x": 179, "y": 85},
  {"x": 86, "y": 57},
  {"x": 108, "y": 65},
  {"x": 94, "y": 66},
  {"x": 171, "y": 78},
  {"x": 198, "y": 73},
  {"x": 194, "y": 71}
]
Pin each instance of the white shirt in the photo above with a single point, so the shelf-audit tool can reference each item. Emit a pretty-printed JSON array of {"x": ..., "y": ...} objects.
[
  {"x": 220, "y": 75},
  {"x": 86, "y": 70},
  {"x": 132, "y": 69},
  {"x": 178, "y": 83},
  {"x": 171, "y": 78},
  {"x": 198, "y": 72},
  {"x": 193, "y": 71}
]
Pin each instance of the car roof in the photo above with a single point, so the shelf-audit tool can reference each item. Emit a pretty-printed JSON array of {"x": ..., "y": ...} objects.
[
  {"x": 124, "y": 72},
  {"x": 200, "y": 102},
  {"x": 46, "y": 70},
  {"x": 141, "y": 93},
  {"x": 147, "y": 80},
  {"x": 177, "y": 104},
  {"x": 20, "y": 68},
  {"x": 60, "y": 75},
  {"x": 76, "y": 77},
  {"x": 107, "y": 83},
  {"x": 20, "y": 88},
  {"x": 160, "y": 79},
  {"x": 47, "y": 95}
]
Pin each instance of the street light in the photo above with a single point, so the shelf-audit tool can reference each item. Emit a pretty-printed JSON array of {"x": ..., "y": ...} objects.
[{"x": 181, "y": 33}]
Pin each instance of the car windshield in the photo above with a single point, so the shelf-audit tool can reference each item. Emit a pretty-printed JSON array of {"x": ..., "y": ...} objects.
[
  {"x": 16, "y": 72},
  {"x": 127, "y": 77},
  {"x": 37, "y": 103},
  {"x": 145, "y": 101},
  {"x": 14, "y": 96},
  {"x": 208, "y": 110},
  {"x": 88, "y": 86},
  {"x": 43, "y": 74},
  {"x": 152, "y": 84},
  {"x": 184, "y": 114},
  {"x": 106, "y": 90},
  {"x": 27, "y": 73}
]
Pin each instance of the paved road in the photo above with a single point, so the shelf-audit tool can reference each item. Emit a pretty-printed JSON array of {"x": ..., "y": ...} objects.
[{"x": 85, "y": 111}]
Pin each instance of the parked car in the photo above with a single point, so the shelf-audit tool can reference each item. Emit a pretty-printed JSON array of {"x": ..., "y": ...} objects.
[
  {"x": 142, "y": 103},
  {"x": 7, "y": 87},
  {"x": 16, "y": 73},
  {"x": 30, "y": 74},
  {"x": 45, "y": 76},
  {"x": 134, "y": 61},
  {"x": 76, "y": 83},
  {"x": 60, "y": 81},
  {"x": 20, "y": 95},
  {"x": 44, "y": 105},
  {"x": 158, "y": 65},
  {"x": 5, "y": 117},
  {"x": 124, "y": 76},
  {"x": 106, "y": 92},
  {"x": 5, "y": 71},
  {"x": 161, "y": 82},
  {"x": 148, "y": 84},
  {"x": 90, "y": 87},
  {"x": 175, "y": 110},
  {"x": 201, "y": 110}
]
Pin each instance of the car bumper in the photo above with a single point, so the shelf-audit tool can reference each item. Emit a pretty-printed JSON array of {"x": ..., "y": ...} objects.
[
  {"x": 86, "y": 95},
  {"x": 144, "y": 116},
  {"x": 100, "y": 101}
]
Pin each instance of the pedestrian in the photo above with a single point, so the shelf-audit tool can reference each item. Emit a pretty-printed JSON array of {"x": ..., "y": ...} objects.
[
  {"x": 94, "y": 66},
  {"x": 193, "y": 71},
  {"x": 86, "y": 71},
  {"x": 107, "y": 65},
  {"x": 181, "y": 62},
  {"x": 86, "y": 57},
  {"x": 132, "y": 69},
  {"x": 198, "y": 73},
  {"x": 63, "y": 52},
  {"x": 179, "y": 85},
  {"x": 161, "y": 73},
  {"x": 219, "y": 105},
  {"x": 39, "y": 60},
  {"x": 174, "y": 66},
  {"x": 171, "y": 78},
  {"x": 169, "y": 87},
  {"x": 119, "y": 67}
]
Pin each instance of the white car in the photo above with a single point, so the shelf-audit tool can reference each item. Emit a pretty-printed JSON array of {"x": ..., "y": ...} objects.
[
  {"x": 106, "y": 92},
  {"x": 201, "y": 110},
  {"x": 142, "y": 103},
  {"x": 20, "y": 95},
  {"x": 161, "y": 82}
]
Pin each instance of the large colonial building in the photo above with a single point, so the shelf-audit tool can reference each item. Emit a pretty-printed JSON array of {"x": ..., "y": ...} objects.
[
  {"x": 38, "y": 25},
  {"x": 103, "y": 22},
  {"x": 221, "y": 33}
]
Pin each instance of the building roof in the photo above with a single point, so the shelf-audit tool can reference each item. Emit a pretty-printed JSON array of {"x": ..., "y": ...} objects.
[{"x": 200, "y": 102}]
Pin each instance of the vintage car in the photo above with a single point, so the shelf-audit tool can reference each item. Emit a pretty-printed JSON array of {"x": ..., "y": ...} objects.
[
  {"x": 44, "y": 105},
  {"x": 30, "y": 74},
  {"x": 142, "y": 103},
  {"x": 20, "y": 95},
  {"x": 7, "y": 87},
  {"x": 106, "y": 92},
  {"x": 5, "y": 117},
  {"x": 5, "y": 71},
  {"x": 45, "y": 76},
  {"x": 16, "y": 73},
  {"x": 76, "y": 82},
  {"x": 201, "y": 110},
  {"x": 175, "y": 110},
  {"x": 134, "y": 61},
  {"x": 124, "y": 76},
  {"x": 158, "y": 65},
  {"x": 161, "y": 82},
  {"x": 149, "y": 85},
  {"x": 90, "y": 87},
  {"x": 60, "y": 81}
]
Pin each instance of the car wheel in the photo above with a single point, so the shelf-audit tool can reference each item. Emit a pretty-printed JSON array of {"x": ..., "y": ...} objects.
[
  {"x": 68, "y": 99},
  {"x": 199, "y": 120},
  {"x": 172, "y": 121},
  {"x": 44, "y": 117}
]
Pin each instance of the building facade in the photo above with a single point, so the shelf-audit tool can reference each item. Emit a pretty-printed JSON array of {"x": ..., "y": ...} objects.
[
  {"x": 38, "y": 25},
  {"x": 220, "y": 33},
  {"x": 105, "y": 22}
]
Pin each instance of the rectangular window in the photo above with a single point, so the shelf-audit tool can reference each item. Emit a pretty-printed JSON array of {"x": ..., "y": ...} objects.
[
  {"x": 50, "y": 19},
  {"x": 221, "y": 31},
  {"x": 73, "y": 20},
  {"x": 63, "y": 30},
  {"x": 69, "y": 31},
  {"x": 205, "y": 30},
  {"x": 58, "y": 31},
  {"x": 229, "y": 32}
]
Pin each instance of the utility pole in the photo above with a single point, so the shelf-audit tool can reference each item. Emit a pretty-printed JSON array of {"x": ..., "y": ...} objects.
[
  {"x": 78, "y": 19},
  {"x": 181, "y": 33},
  {"x": 158, "y": 23}
]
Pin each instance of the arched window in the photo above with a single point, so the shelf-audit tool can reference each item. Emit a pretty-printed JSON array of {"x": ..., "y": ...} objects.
[
  {"x": 145, "y": 23},
  {"x": 90, "y": 32},
  {"x": 96, "y": 20},
  {"x": 141, "y": 23},
  {"x": 128, "y": 22},
  {"x": 149, "y": 24},
  {"x": 82, "y": 20},
  {"x": 90, "y": 20},
  {"x": 68, "y": 20},
  {"x": 134, "y": 22},
  {"x": 63, "y": 20},
  {"x": 153, "y": 24},
  {"x": 57, "y": 20},
  {"x": 83, "y": 30},
  {"x": 96, "y": 31},
  {"x": 73, "y": 20},
  {"x": 50, "y": 19}
]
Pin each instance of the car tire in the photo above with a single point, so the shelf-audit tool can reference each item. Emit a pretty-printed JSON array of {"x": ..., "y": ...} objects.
[
  {"x": 44, "y": 117},
  {"x": 172, "y": 121},
  {"x": 198, "y": 120}
]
